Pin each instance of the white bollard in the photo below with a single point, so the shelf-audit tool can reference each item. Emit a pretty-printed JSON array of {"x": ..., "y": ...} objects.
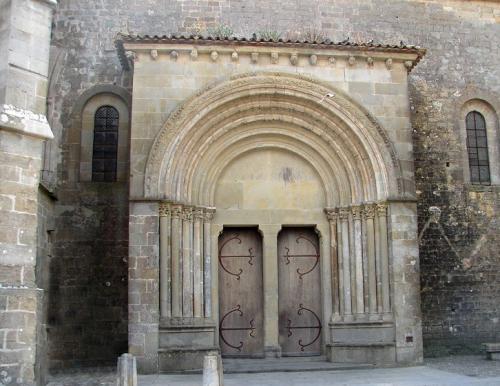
[
  {"x": 127, "y": 370},
  {"x": 212, "y": 370}
]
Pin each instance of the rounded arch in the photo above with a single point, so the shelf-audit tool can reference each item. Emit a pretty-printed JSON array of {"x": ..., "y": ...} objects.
[
  {"x": 83, "y": 116},
  {"x": 346, "y": 146}
]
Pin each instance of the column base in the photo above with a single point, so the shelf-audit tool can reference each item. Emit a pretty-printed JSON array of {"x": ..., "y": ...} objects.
[
  {"x": 272, "y": 352},
  {"x": 372, "y": 353},
  {"x": 181, "y": 359},
  {"x": 183, "y": 343},
  {"x": 362, "y": 341}
]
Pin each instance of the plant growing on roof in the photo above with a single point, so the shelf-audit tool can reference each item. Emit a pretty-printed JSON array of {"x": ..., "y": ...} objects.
[
  {"x": 221, "y": 31},
  {"x": 269, "y": 35}
]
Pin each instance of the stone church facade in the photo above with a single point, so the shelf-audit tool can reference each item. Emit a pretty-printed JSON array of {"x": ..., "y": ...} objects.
[{"x": 259, "y": 180}]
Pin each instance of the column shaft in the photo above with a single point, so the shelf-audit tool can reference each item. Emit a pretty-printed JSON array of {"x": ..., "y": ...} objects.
[
  {"x": 369, "y": 213},
  {"x": 340, "y": 251},
  {"x": 187, "y": 262},
  {"x": 207, "y": 261},
  {"x": 384, "y": 252},
  {"x": 358, "y": 257},
  {"x": 198, "y": 263},
  {"x": 332, "y": 219},
  {"x": 346, "y": 254},
  {"x": 165, "y": 261},
  {"x": 176, "y": 239}
]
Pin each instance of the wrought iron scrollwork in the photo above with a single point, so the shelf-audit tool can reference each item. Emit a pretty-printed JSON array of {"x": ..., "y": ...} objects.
[
  {"x": 250, "y": 256},
  {"x": 222, "y": 328},
  {"x": 318, "y": 327},
  {"x": 287, "y": 255}
]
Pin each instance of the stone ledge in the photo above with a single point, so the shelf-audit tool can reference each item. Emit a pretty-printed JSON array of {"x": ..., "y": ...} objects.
[{"x": 24, "y": 122}]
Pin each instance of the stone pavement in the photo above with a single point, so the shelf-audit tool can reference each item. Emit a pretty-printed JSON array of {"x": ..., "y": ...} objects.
[{"x": 449, "y": 371}]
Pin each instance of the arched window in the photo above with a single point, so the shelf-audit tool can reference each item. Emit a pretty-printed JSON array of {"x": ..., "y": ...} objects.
[
  {"x": 477, "y": 148},
  {"x": 105, "y": 147}
]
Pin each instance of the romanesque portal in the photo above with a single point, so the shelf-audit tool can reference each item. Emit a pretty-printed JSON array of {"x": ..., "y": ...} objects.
[{"x": 285, "y": 203}]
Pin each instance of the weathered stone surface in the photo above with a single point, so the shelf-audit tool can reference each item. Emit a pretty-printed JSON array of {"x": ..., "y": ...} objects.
[
  {"x": 127, "y": 370},
  {"x": 213, "y": 374},
  {"x": 459, "y": 259}
]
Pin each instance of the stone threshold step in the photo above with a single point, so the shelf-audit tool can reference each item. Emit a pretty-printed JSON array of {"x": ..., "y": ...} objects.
[
  {"x": 296, "y": 364},
  {"x": 276, "y": 365}
]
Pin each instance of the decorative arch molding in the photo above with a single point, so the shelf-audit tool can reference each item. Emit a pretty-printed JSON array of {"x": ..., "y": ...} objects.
[
  {"x": 88, "y": 94},
  {"x": 340, "y": 139},
  {"x": 82, "y": 121}
]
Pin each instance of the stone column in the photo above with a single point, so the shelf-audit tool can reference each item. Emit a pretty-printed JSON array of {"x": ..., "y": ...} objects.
[
  {"x": 165, "y": 261},
  {"x": 176, "y": 238},
  {"x": 187, "y": 262},
  {"x": 384, "y": 257},
  {"x": 207, "y": 261},
  {"x": 358, "y": 257},
  {"x": 270, "y": 267},
  {"x": 332, "y": 216},
  {"x": 369, "y": 213},
  {"x": 340, "y": 261},
  {"x": 198, "y": 263},
  {"x": 345, "y": 262}
]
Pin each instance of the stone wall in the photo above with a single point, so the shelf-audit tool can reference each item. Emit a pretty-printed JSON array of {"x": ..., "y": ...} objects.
[
  {"x": 87, "y": 310},
  {"x": 143, "y": 300},
  {"x": 460, "y": 278},
  {"x": 24, "y": 43}
]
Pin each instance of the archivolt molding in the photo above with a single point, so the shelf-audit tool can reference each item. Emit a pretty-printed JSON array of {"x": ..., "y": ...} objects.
[{"x": 349, "y": 149}]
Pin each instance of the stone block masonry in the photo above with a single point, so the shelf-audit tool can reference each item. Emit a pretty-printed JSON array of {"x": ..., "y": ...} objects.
[
  {"x": 460, "y": 288},
  {"x": 143, "y": 301},
  {"x": 24, "y": 42}
]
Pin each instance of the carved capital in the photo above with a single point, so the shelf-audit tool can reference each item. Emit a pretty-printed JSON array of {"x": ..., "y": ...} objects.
[
  {"x": 369, "y": 211},
  {"x": 344, "y": 214},
  {"x": 274, "y": 57},
  {"x": 209, "y": 214},
  {"x": 198, "y": 213},
  {"x": 176, "y": 211},
  {"x": 382, "y": 209},
  {"x": 356, "y": 212},
  {"x": 164, "y": 210},
  {"x": 331, "y": 214},
  {"x": 187, "y": 213}
]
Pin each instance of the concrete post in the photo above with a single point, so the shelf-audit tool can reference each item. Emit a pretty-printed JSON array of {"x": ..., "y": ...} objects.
[{"x": 127, "y": 371}]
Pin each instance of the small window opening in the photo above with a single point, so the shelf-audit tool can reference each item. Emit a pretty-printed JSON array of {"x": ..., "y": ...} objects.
[
  {"x": 105, "y": 148},
  {"x": 477, "y": 148}
]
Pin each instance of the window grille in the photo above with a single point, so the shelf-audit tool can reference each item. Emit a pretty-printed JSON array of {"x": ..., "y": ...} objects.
[
  {"x": 105, "y": 148},
  {"x": 477, "y": 148}
]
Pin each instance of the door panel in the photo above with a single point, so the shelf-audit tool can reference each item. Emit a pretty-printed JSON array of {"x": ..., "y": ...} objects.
[
  {"x": 299, "y": 292},
  {"x": 241, "y": 329}
]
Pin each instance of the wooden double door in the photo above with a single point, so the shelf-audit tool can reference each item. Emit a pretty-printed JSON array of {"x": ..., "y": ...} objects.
[{"x": 241, "y": 292}]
